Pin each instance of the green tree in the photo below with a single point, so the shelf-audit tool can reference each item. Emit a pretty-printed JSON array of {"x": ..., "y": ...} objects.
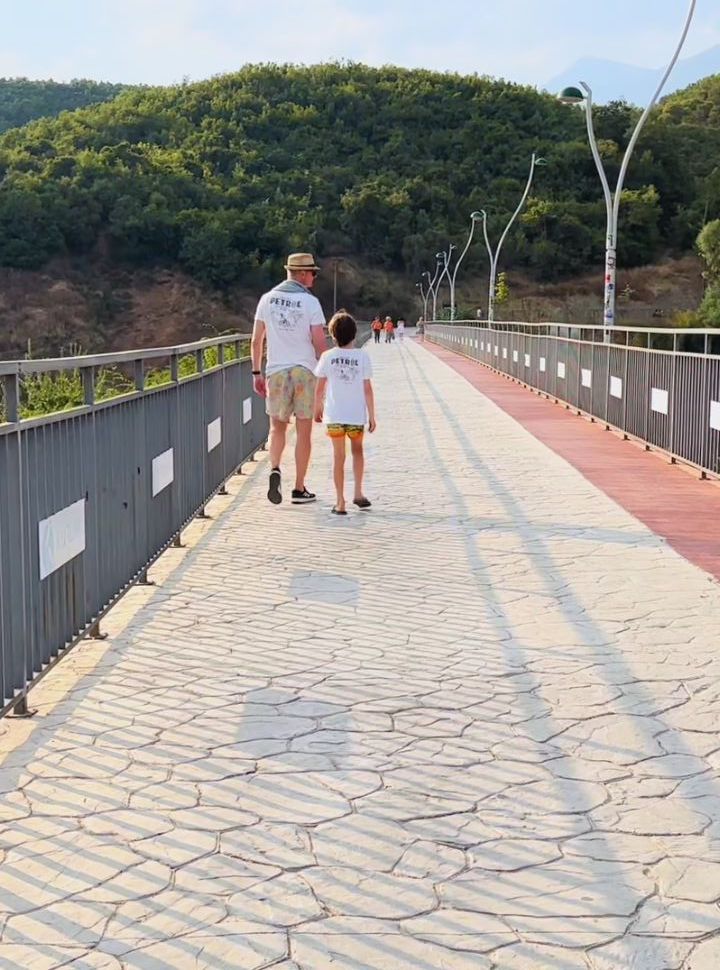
[
  {"x": 28, "y": 234},
  {"x": 708, "y": 244},
  {"x": 502, "y": 289},
  {"x": 207, "y": 250},
  {"x": 22, "y": 100}
]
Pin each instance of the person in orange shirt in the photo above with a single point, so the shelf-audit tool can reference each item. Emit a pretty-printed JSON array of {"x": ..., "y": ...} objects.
[
  {"x": 389, "y": 330},
  {"x": 377, "y": 329}
]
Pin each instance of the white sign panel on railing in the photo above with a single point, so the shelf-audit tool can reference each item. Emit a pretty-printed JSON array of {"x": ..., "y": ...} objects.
[
  {"x": 586, "y": 377},
  {"x": 527, "y": 360},
  {"x": 616, "y": 387},
  {"x": 247, "y": 410},
  {"x": 515, "y": 356},
  {"x": 163, "y": 471},
  {"x": 214, "y": 434},
  {"x": 659, "y": 400},
  {"x": 542, "y": 364},
  {"x": 497, "y": 350},
  {"x": 715, "y": 415},
  {"x": 61, "y": 537},
  {"x": 504, "y": 353},
  {"x": 561, "y": 370}
]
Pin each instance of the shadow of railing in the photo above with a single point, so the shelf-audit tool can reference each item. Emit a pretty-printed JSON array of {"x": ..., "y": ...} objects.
[{"x": 568, "y": 605}]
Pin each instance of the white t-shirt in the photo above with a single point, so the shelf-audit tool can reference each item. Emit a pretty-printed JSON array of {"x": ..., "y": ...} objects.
[
  {"x": 346, "y": 370},
  {"x": 288, "y": 312}
]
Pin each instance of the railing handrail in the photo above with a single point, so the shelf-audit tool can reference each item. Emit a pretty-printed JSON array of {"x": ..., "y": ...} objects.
[
  {"x": 45, "y": 364},
  {"x": 500, "y": 324}
]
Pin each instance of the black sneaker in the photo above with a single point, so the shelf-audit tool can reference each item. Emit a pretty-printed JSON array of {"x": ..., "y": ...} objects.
[
  {"x": 275, "y": 489},
  {"x": 302, "y": 496}
]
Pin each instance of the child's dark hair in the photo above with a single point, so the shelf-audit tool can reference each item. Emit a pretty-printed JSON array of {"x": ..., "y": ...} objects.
[{"x": 343, "y": 328}]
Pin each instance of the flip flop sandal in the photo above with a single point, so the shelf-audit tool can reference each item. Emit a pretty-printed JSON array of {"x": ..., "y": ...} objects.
[
  {"x": 362, "y": 503},
  {"x": 336, "y": 511}
]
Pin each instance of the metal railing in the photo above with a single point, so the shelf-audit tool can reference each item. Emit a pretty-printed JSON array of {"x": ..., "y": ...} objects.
[
  {"x": 661, "y": 387},
  {"x": 91, "y": 496}
]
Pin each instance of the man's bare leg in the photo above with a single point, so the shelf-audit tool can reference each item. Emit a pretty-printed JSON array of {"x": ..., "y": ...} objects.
[
  {"x": 278, "y": 436},
  {"x": 303, "y": 448}
]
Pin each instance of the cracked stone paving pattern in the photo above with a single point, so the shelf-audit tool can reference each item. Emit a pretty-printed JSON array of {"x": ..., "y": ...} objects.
[{"x": 477, "y": 728}]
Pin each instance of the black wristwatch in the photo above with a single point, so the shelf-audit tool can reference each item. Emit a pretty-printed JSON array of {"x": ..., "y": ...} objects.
[{"x": 256, "y": 373}]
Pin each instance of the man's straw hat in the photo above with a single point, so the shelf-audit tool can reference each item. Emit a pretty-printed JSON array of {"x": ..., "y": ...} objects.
[{"x": 297, "y": 262}]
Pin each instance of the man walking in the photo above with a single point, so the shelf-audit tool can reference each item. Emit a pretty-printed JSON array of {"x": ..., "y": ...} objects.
[{"x": 291, "y": 319}]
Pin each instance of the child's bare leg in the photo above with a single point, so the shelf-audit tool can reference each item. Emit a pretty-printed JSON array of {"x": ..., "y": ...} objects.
[
  {"x": 358, "y": 458},
  {"x": 339, "y": 471}
]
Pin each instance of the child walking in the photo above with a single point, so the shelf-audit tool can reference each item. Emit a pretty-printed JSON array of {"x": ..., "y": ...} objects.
[{"x": 345, "y": 374}]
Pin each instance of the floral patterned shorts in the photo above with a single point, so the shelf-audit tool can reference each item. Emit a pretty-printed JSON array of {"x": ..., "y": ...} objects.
[{"x": 291, "y": 392}]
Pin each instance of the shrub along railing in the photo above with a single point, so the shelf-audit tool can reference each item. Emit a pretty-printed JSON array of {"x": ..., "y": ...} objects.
[
  {"x": 94, "y": 492},
  {"x": 661, "y": 387}
]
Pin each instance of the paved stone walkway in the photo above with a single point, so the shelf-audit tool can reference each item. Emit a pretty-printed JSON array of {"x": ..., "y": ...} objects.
[{"x": 476, "y": 728}]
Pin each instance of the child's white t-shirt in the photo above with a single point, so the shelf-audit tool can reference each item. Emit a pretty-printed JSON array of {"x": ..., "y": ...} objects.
[{"x": 345, "y": 370}]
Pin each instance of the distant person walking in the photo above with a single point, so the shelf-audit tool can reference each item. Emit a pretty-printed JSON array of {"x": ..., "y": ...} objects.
[
  {"x": 377, "y": 329},
  {"x": 400, "y": 330},
  {"x": 345, "y": 374},
  {"x": 290, "y": 319},
  {"x": 389, "y": 330}
]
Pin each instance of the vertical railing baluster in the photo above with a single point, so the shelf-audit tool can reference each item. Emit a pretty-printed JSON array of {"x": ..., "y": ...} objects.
[{"x": 673, "y": 385}]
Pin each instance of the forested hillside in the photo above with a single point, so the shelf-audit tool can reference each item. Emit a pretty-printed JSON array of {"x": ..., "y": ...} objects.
[
  {"x": 698, "y": 105},
  {"x": 222, "y": 177},
  {"x": 22, "y": 100}
]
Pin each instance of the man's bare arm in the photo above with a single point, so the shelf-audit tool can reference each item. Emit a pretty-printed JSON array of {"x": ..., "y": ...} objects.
[
  {"x": 317, "y": 335},
  {"x": 257, "y": 346}
]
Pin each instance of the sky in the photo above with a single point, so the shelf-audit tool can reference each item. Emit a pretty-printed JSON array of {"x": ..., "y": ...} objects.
[{"x": 165, "y": 41}]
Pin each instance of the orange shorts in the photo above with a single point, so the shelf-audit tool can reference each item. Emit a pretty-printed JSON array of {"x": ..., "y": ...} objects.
[{"x": 340, "y": 430}]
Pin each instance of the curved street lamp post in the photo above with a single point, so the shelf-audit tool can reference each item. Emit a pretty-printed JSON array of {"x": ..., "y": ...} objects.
[
  {"x": 475, "y": 217},
  {"x": 434, "y": 285},
  {"x": 494, "y": 257},
  {"x": 573, "y": 96},
  {"x": 445, "y": 259},
  {"x": 424, "y": 297}
]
